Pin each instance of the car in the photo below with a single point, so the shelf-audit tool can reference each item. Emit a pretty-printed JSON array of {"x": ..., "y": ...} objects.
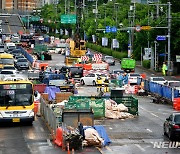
[
  {"x": 114, "y": 73},
  {"x": 22, "y": 63},
  {"x": 6, "y": 72},
  {"x": 9, "y": 68},
  {"x": 110, "y": 60},
  {"x": 173, "y": 84},
  {"x": 17, "y": 57},
  {"x": 172, "y": 126},
  {"x": 160, "y": 80},
  {"x": 90, "y": 79},
  {"x": 16, "y": 52},
  {"x": 133, "y": 78}
]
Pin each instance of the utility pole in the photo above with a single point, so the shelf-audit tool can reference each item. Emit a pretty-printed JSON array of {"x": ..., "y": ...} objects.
[
  {"x": 169, "y": 35},
  {"x": 96, "y": 13}
]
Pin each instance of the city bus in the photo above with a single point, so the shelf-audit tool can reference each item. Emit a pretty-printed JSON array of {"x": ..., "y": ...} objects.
[
  {"x": 16, "y": 100},
  {"x": 6, "y": 59}
]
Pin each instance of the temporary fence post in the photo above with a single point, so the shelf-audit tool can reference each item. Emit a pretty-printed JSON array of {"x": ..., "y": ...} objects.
[{"x": 172, "y": 97}]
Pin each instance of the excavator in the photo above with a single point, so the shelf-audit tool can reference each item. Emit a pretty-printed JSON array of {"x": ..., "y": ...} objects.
[{"x": 77, "y": 45}]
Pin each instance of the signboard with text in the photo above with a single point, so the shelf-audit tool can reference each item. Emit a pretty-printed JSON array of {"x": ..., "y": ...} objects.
[{"x": 68, "y": 19}]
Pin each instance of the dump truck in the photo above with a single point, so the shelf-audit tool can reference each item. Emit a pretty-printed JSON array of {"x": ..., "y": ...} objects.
[{"x": 128, "y": 65}]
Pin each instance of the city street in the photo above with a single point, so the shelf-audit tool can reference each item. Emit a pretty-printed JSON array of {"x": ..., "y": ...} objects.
[{"x": 129, "y": 136}]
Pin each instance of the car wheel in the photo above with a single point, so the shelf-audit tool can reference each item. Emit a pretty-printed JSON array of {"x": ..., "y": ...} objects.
[
  {"x": 165, "y": 131},
  {"x": 82, "y": 82},
  {"x": 170, "y": 135},
  {"x": 94, "y": 83},
  {"x": 114, "y": 63}
]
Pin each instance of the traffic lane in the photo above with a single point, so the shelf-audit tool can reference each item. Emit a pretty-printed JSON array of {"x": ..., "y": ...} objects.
[{"x": 23, "y": 139}]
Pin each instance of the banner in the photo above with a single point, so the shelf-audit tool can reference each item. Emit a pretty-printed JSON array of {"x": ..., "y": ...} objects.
[
  {"x": 104, "y": 41},
  {"x": 115, "y": 43}
]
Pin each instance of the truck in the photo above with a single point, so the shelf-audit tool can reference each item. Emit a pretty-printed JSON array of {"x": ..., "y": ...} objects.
[
  {"x": 128, "y": 65},
  {"x": 6, "y": 59}
]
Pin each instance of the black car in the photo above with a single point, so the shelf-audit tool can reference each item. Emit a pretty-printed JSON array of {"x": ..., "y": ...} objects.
[
  {"x": 172, "y": 126},
  {"x": 16, "y": 52},
  {"x": 22, "y": 63}
]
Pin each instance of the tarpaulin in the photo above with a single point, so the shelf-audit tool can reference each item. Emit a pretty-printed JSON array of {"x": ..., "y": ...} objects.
[
  {"x": 102, "y": 132},
  {"x": 52, "y": 90}
]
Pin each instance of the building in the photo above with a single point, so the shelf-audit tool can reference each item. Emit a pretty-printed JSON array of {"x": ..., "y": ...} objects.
[{"x": 21, "y": 5}]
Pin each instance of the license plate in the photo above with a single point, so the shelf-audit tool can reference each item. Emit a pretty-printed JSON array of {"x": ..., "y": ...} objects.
[
  {"x": 76, "y": 76},
  {"x": 16, "y": 120}
]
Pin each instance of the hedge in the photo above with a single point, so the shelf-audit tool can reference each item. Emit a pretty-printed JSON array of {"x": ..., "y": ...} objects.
[
  {"x": 107, "y": 51},
  {"x": 146, "y": 63}
]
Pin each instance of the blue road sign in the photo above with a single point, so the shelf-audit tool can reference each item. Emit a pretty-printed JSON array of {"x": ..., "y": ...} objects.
[
  {"x": 161, "y": 38},
  {"x": 113, "y": 29},
  {"x": 108, "y": 29}
]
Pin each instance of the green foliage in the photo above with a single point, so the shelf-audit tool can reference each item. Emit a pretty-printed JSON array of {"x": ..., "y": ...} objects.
[
  {"x": 119, "y": 55},
  {"x": 146, "y": 63}
]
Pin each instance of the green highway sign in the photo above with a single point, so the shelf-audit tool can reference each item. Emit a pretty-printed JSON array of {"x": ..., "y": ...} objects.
[{"x": 68, "y": 19}]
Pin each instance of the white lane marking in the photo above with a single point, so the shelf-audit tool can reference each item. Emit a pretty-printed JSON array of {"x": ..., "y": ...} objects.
[
  {"x": 142, "y": 149},
  {"x": 154, "y": 115},
  {"x": 110, "y": 127},
  {"x": 49, "y": 142},
  {"x": 42, "y": 130},
  {"x": 149, "y": 130}
]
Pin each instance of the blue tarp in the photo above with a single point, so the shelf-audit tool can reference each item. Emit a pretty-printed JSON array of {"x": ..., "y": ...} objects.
[
  {"x": 52, "y": 90},
  {"x": 102, "y": 133}
]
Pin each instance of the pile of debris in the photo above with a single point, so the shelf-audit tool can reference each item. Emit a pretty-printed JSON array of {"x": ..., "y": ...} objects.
[{"x": 116, "y": 111}]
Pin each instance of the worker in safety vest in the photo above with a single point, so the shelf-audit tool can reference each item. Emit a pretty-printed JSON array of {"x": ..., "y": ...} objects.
[
  {"x": 99, "y": 82},
  {"x": 79, "y": 60},
  {"x": 106, "y": 84}
]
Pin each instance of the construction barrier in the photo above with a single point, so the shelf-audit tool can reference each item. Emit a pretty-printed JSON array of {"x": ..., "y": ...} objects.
[
  {"x": 39, "y": 87},
  {"x": 176, "y": 104}
]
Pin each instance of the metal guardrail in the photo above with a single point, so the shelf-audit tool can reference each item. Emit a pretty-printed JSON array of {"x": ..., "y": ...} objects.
[{"x": 50, "y": 117}]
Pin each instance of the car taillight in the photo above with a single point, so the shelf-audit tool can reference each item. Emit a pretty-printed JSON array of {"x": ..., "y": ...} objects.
[{"x": 176, "y": 126}]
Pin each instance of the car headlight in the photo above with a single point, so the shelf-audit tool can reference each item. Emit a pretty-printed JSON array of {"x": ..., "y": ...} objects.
[{"x": 31, "y": 114}]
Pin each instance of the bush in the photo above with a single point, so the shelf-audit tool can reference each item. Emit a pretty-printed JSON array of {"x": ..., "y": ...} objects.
[
  {"x": 119, "y": 55},
  {"x": 146, "y": 63}
]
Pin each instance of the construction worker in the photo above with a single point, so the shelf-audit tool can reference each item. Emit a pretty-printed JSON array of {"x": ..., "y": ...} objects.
[
  {"x": 106, "y": 84},
  {"x": 125, "y": 78},
  {"x": 79, "y": 60},
  {"x": 99, "y": 82},
  {"x": 164, "y": 69}
]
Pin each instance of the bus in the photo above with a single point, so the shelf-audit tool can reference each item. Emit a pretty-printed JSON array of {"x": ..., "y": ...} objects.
[
  {"x": 16, "y": 100},
  {"x": 6, "y": 59}
]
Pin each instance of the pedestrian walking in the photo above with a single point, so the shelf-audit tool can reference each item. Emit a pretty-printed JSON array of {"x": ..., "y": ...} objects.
[{"x": 125, "y": 78}]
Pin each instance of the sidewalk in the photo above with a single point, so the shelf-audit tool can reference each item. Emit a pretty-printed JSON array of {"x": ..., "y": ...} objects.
[{"x": 173, "y": 77}]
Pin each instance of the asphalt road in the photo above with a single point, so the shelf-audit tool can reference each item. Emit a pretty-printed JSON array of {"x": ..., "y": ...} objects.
[{"x": 130, "y": 136}]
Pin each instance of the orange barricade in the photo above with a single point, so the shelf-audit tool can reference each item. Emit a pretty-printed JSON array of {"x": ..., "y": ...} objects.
[
  {"x": 59, "y": 137},
  {"x": 36, "y": 107},
  {"x": 143, "y": 76},
  {"x": 43, "y": 65},
  {"x": 176, "y": 104}
]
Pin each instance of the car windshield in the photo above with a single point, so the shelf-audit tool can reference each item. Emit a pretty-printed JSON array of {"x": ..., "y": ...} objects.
[
  {"x": 135, "y": 75},
  {"x": 22, "y": 60},
  {"x": 6, "y": 72},
  {"x": 7, "y": 61},
  {"x": 118, "y": 71},
  {"x": 9, "y": 68},
  {"x": 158, "y": 79},
  {"x": 174, "y": 84},
  {"x": 109, "y": 57},
  {"x": 177, "y": 119},
  {"x": 1, "y": 46}
]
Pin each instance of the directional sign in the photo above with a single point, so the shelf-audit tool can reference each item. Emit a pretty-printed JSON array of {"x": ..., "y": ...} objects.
[
  {"x": 113, "y": 29},
  {"x": 146, "y": 27},
  {"x": 68, "y": 19},
  {"x": 161, "y": 38},
  {"x": 108, "y": 29}
]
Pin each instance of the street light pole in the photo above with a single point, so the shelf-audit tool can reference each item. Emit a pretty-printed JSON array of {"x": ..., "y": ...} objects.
[{"x": 169, "y": 35}]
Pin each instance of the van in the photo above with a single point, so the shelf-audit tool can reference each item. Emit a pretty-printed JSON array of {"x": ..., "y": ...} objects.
[{"x": 9, "y": 45}]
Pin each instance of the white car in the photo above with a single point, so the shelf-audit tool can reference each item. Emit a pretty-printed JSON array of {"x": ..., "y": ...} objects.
[
  {"x": 91, "y": 78},
  {"x": 160, "y": 80},
  {"x": 174, "y": 84},
  {"x": 9, "y": 68},
  {"x": 133, "y": 78}
]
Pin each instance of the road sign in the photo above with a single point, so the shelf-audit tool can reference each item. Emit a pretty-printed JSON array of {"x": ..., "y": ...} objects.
[
  {"x": 161, "y": 38},
  {"x": 108, "y": 29},
  {"x": 68, "y": 19},
  {"x": 138, "y": 28},
  {"x": 113, "y": 29},
  {"x": 146, "y": 27}
]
